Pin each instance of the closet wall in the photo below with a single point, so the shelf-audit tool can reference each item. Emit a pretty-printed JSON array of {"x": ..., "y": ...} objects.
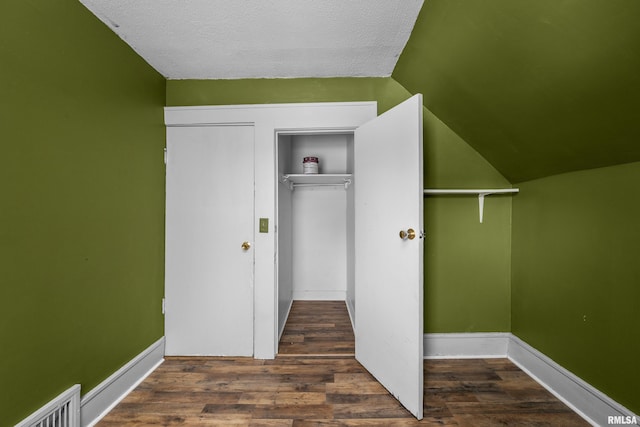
[{"x": 284, "y": 230}]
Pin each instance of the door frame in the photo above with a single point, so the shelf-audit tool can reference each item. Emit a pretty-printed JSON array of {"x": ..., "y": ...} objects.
[
  {"x": 295, "y": 132},
  {"x": 266, "y": 120}
]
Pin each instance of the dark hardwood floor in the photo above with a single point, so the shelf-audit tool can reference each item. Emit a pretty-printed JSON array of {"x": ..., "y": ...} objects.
[
  {"x": 318, "y": 328},
  {"x": 315, "y": 381}
]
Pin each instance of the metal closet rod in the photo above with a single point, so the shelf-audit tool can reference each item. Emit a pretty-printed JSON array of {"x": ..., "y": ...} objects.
[
  {"x": 344, "y": 184},
  {"x": 480, "y": 192}
]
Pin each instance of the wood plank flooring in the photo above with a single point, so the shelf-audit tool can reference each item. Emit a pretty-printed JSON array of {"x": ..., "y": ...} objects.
[
  {"x": 318, "y": 328},
  {"x": 311, "y": 384}
]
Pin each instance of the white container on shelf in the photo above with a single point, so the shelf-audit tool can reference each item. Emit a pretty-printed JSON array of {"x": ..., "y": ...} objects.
[{"x": 310, "y": 165}]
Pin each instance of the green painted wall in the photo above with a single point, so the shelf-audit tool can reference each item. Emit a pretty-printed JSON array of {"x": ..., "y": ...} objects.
[
  {"x": 467, "y": 264},
  {"x": 265, "y": 91},
  {"x": 81, "y": 220},
  {"x": 576, "y": 275},
  {"x": 537, "y": 87}
]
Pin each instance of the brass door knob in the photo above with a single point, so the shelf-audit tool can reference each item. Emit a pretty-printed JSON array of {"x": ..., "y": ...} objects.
[
  {"x": 246, "y": 246},
  {"x": 409, "y": 234}
]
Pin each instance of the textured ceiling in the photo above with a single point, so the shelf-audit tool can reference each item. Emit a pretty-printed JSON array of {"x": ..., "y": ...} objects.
[
  {"x": 537, "y": 87},
  {"x": 222, "y": 39}
]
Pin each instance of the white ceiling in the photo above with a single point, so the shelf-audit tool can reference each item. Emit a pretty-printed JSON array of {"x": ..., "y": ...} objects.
[{"x": 233, "y": 39}]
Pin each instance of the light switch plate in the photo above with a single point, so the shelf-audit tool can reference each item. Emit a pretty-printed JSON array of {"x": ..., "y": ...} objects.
[{"x": 264, "y": 225}]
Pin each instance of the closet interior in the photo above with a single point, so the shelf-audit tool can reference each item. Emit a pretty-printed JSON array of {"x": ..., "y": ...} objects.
[{"x": 315, "y": 220}]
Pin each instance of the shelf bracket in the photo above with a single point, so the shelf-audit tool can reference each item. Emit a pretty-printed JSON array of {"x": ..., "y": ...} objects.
[{"x": 481, "y": 205}]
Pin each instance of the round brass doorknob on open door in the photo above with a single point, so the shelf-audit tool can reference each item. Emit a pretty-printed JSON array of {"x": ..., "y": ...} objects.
[
  {"x": 409, "y": 234},
  {"x": 246, "y": 246}
]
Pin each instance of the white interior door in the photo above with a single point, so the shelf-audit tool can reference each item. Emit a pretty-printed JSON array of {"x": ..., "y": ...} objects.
[
  {"x": 209, "y": 215},
  {"x": 389, "y": 269}
]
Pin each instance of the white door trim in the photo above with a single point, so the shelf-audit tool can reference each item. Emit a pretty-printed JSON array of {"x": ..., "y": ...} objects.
[{"x": 267, "y": 119}]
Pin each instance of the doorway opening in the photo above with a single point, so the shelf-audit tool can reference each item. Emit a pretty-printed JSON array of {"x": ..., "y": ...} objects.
[{"x": 315, "y": 238}]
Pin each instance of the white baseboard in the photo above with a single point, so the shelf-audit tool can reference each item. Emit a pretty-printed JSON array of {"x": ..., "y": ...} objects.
[
  {"x": 587, "y": 401},
  {"x": 283, "y": 322},
  {"x": 106, "y": 395},
  {"x": 466, "y": 345},
  {"x": 351, "y": 309},
  {"x": 590, "y": 403},
  {"x": 309, "y": 295}
]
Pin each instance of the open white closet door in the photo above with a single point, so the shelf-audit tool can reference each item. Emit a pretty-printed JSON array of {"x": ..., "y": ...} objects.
[{"x": 389, "y": 251}]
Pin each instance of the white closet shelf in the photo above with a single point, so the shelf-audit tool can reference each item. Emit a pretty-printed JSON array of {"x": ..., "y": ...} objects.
[
  {"x": 480, "y": 192},
  {"x": 316, "y": 180}
]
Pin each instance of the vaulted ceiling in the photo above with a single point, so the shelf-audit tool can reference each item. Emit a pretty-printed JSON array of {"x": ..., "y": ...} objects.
[{"x": 536, "y": 87}]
